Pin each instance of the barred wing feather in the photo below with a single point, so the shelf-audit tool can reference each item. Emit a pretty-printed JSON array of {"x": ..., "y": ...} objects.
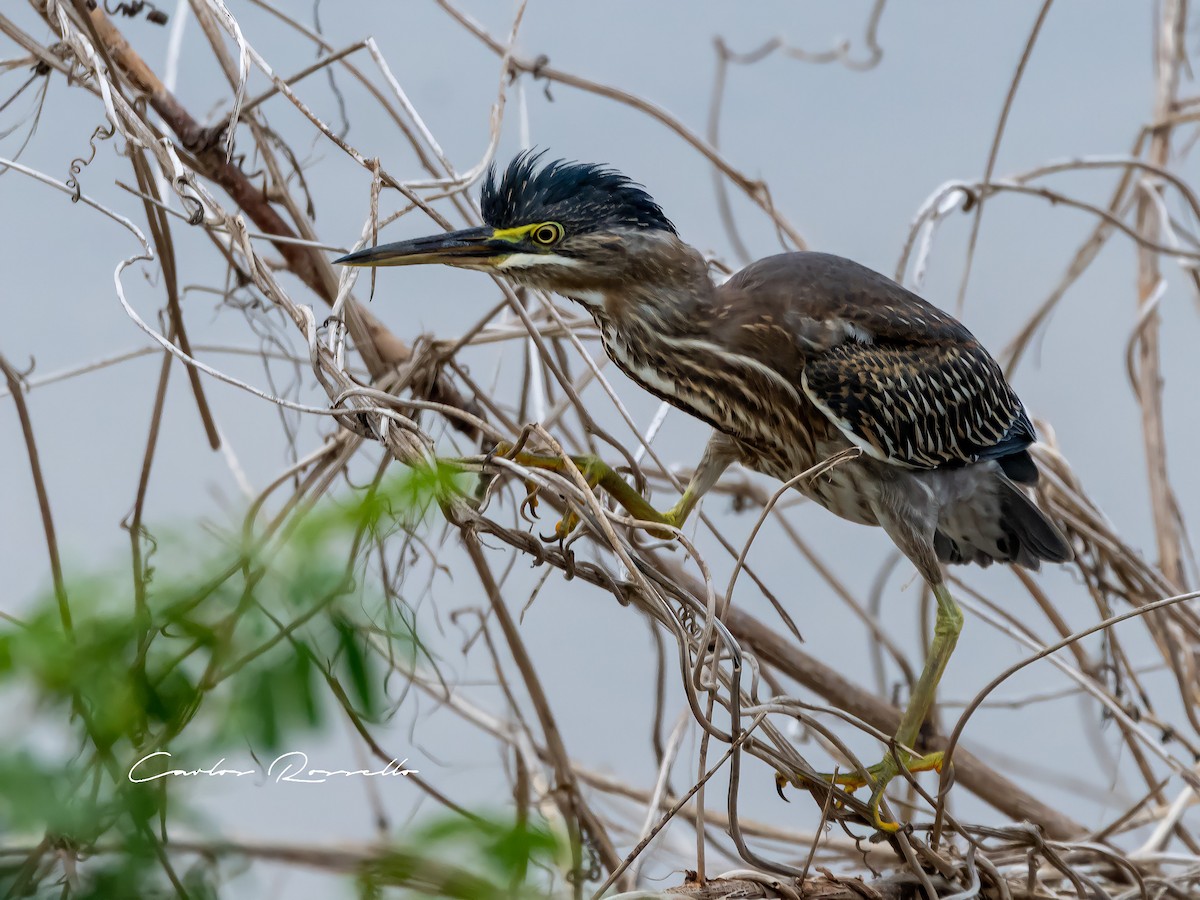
[{"x": 919, "y": 406}]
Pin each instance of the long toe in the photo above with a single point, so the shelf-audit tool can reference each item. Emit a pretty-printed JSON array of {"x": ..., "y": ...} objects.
[
  {"x": 877, "y": 819},
  {"x": 880, "y": 775}
]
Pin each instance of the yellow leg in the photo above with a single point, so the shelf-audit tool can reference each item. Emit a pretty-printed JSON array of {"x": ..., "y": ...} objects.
[
  {"x": 598, "y": 473},
  {"x": 945, "y": 636},
  {"x": 718, "y": 454}
]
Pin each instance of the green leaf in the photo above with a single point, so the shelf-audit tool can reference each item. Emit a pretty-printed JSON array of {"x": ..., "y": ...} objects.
[
  {"x": 355, "y": 665},
  {"x": 305, "y": 680}
]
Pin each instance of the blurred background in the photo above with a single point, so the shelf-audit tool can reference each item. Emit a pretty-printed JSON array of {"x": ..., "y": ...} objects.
[{"x": 900, "y": 100}]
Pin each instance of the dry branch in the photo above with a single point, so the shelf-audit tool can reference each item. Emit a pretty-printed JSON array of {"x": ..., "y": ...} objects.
[
  {"x": 732, "y": 670},
  {"x": 1170, "y": 54},
  {"x": 382, "y": 351},
  {"x": 969, "y": 771}
]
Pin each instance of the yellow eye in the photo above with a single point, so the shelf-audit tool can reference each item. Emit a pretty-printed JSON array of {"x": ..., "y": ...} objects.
[{"x": 548, "y": 234}]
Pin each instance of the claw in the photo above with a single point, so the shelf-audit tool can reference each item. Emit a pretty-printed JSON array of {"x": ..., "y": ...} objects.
[
  {"x": 597, "y": 474},
  {"x": 563, "y": 529},
  {"x": 877, "y": 778},
  {"x": 781, "y": 781},
  {"x": 530, "y": 504},
  {"x": 556, "y": 537},
  {"x": 564, "y": 526}
]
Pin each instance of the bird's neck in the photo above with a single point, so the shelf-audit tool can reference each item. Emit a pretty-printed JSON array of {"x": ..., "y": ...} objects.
[
  {"x": 651, "y": 315},
  {"x": 665, "y": 294}
]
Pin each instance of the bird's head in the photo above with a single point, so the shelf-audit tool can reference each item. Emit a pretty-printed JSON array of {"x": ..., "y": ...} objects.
[{"x": 570, "y": 227}]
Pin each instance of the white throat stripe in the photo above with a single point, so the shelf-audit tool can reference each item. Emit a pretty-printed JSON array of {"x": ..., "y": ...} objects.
[{"x": 529, "y": 260}]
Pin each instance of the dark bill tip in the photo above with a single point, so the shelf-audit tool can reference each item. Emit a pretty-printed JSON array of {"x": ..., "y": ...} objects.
[{"x": 455, "y": 246}]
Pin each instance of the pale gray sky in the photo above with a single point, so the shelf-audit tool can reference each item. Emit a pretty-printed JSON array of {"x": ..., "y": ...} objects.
[{"x": 849, "y": 156}]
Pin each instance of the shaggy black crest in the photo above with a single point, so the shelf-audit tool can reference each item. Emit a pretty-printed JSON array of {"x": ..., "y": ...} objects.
[{"x": 579, "y": 196}]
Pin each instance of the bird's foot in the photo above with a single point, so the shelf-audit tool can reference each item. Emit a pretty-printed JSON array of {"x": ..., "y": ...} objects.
[
  {"x": 877, "y": 778},
  {"x": 596, "y": 473}
]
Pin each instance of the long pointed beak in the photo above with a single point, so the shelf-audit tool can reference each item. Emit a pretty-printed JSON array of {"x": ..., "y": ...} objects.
[{"x": 469, "y": 247}]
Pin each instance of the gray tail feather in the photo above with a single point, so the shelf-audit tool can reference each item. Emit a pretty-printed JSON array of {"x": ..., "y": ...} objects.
[
  {"x": 1026, "y": 537},
  {"x": 1033, "y": 535}
]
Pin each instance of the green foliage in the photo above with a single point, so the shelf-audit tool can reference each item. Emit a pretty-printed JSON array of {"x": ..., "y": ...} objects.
[
  {"x": 130, "y": 874},
  {"x": 505, "y": 848},
  {"x": 357, "y": 665},
  {"x": 250, "y": 639},
  {"x": 407, "y": 498},
  {"x": 35, "y": 795},
  {"x": 464, "y": 858}
]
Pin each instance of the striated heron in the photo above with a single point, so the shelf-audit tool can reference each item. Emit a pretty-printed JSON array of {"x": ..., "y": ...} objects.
[{"x": 795, "y": 358}]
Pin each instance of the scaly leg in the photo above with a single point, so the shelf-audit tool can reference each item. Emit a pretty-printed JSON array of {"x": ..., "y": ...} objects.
[
  {"x": 718, "y": 454},
  {"x": 945, "y": 636}
]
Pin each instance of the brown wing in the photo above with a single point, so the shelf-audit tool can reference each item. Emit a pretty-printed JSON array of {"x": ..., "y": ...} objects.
[
  {"x": 901, "y": 378},
  {"x": 925, "y": 407}
]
